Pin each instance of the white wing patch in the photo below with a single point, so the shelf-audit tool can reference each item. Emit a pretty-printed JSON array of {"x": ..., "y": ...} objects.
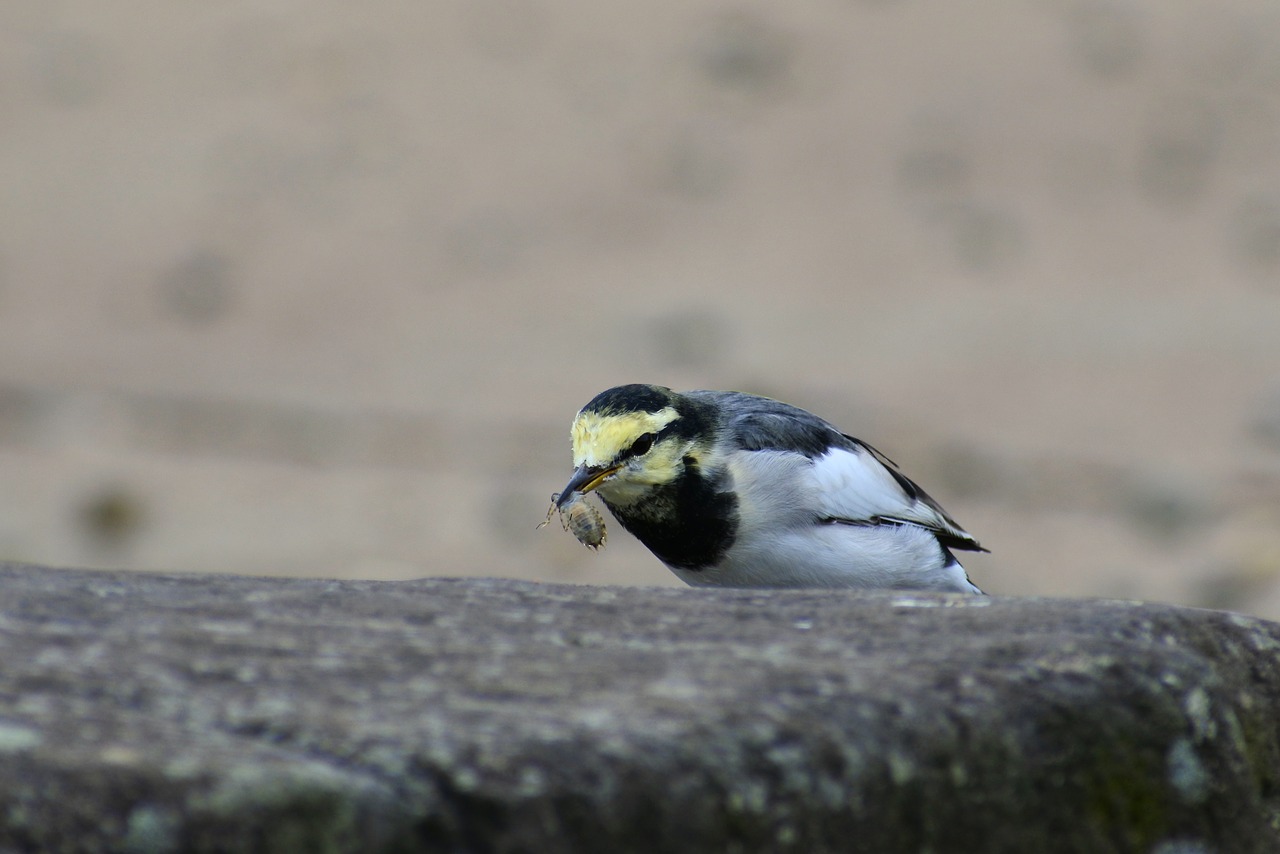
[
  {"x": 782, "y": 495},
  {"x": 857, "y": 487}
]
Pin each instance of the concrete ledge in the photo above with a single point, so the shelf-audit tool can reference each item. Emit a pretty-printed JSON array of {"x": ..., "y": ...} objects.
[{"x": 180, "y": 713}]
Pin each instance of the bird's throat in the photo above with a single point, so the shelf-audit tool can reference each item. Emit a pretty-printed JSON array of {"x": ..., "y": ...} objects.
[{"x": 689, "y": 523}]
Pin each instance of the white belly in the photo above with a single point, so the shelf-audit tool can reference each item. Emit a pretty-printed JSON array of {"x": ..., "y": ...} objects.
[{"x": 837, "y": 555}]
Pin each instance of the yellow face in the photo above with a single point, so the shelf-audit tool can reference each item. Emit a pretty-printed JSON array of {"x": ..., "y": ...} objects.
[
  {"x": 598, "y": 439},
  {"x": 604, "y": 446}
]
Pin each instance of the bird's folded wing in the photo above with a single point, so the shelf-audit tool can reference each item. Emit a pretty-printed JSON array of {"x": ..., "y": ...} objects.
[
  {"x": 850, "y": 481},
  {"x": 858, "y": 485}
]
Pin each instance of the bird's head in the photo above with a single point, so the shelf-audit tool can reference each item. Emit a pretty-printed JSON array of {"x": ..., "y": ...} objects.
[{"x": 633, "y": 439}]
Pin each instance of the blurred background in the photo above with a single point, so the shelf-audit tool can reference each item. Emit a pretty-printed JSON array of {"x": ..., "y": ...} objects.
[{"x": 316, "y": 289}]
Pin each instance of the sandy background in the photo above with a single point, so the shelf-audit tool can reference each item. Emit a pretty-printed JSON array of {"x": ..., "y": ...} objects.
[{"x": 316, "y": 288}]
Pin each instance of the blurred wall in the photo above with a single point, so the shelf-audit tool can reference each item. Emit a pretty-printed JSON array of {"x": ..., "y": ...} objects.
[{"x": 317, "y": 288}]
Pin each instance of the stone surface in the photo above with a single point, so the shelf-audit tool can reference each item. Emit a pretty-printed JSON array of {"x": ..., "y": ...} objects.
[{"x": 162, "y": 713}]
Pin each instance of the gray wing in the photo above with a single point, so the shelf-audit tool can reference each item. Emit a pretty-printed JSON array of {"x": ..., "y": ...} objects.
[
  {"x": 761, "y": 424},
  {"x": 857, "y": 483}
]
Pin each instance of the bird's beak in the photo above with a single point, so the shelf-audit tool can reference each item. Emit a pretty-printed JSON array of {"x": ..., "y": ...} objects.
[{"x": 585, "y": 478}]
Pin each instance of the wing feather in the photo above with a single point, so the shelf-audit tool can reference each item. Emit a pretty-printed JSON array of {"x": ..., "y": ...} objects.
[
  {"x": 851, "y": 481},
  {"x": 859, "y": 486}
]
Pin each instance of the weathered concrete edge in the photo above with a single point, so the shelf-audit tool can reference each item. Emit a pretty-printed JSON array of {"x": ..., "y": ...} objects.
[{"x": 316, "y": 797}]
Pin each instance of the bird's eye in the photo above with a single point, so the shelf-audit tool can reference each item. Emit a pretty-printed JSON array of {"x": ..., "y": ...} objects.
[{"x": 642, "y": 445}]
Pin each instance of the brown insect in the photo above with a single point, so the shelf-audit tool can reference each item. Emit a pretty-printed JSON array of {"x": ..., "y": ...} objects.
[{"x": 580, "y": 518}]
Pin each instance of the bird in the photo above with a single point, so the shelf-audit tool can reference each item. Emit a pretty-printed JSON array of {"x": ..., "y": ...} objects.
[{"x": 732, "y": 489}]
